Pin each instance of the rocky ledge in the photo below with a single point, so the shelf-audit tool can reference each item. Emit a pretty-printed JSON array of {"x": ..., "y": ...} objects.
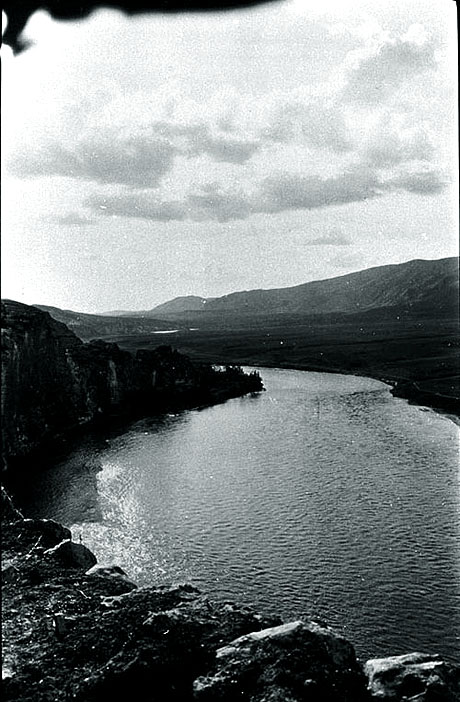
[{"x": 76, "y": 631}]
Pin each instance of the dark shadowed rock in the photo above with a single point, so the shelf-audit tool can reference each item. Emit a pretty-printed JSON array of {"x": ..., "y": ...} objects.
[
  {"x": 9, "y": 513},
  {"x": 72, "y": 555},
  {"x": 53, "y": 383},
  {"x": 170, "y": 637},
  {"x": 293, "y": 662},
  {"x": 418, "y": 677},
  {"x": 47, "y": 532}
]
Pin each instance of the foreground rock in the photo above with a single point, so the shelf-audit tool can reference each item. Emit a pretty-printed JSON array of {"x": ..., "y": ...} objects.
[
  {"x": 89, "y": 634},
  {"x": 291, "y": 663},
  {"x": 415, "y": 676}
]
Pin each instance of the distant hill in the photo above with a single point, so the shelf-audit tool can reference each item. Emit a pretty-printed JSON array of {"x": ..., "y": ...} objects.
[
  {"x": 190, "y": 303},
  {"x": 91, "y": 326},
  {"x": 419, "y": 284},
  {"x": 417, "y": 288}
]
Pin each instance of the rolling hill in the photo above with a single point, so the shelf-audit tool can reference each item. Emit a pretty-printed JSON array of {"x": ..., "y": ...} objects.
[{"x": 430, "y": 285}]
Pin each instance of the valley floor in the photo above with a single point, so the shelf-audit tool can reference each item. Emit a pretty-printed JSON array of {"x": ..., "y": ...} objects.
[{"x": 419, "y": 358}]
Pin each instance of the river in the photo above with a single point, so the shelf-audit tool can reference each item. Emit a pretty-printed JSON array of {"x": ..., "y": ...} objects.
[{"x": 322, "y": 497}]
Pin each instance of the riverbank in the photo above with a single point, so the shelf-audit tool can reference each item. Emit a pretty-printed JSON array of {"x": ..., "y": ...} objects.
[
  {"x": 53, "y": 383},
  {"x": 74, "y": 631},
  {"x": 411, "y": 391},
  {"x": 418, "y": 357}
]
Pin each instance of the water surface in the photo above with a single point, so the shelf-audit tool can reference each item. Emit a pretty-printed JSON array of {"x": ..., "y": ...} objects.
[{"x": 323, "y": 496}]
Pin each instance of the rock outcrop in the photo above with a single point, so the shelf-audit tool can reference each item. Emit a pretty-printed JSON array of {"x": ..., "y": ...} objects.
[
  {"x": 419, "y": 677},
  {"x": 52, "y": 381},
  {"x": 292, "y": 662},
  {"x": 86, "y": 635}
]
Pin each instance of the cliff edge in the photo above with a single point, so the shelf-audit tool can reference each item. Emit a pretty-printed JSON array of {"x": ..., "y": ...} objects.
[{"x": 53, "y": 382}]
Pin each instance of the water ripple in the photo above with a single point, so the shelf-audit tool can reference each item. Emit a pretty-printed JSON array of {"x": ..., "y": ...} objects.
[{"x": 323, "y": 497}]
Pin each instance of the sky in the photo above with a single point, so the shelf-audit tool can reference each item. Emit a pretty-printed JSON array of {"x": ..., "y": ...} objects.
[{"x": 155, "y": 156}]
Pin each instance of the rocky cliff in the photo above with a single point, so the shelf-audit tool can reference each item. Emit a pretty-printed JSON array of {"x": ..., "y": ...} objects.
[
  {"x": 76, "y": 631},
  {"x": 52, "y": 381}
]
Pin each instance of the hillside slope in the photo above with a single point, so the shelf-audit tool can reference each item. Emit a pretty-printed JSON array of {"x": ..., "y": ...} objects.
[
  {"x": 430, "y": 285},
  {"x": 189, "y": 303},
  {"x": 92, "y": 326}
]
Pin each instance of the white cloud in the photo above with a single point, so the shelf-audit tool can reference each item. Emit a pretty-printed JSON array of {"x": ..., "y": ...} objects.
[
  {"x": 317, "y": 122},
  {"x": 373, "y": 74},
  {"x": 394, "y": 139}
]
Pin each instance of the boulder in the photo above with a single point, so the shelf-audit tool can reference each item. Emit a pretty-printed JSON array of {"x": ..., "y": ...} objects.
[
  {"x": 72, "y": 555},
  {"x": 46, "y": 531},
  {"x": 417, "y": 677},
  {"x": 115, "y": 573},
  {"x": 292, "y": 662}
]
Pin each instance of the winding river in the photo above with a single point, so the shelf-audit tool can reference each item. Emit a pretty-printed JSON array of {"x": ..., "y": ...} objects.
[{"x": 323, "y": 496}]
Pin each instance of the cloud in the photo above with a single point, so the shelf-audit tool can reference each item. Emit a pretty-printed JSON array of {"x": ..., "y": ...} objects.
[
  {"x": 135, "y": 161},
  {"x": 272, "y": 195},
  {"x": 318, "y": 123},
  {"x": 295, "y": 192},
  {"x": 393, "y": 141},
  {"x": 422, "y": 182},
  {"x": 204, "y": 203},
  {"x": 73, "y": 219},
  {"x": 374, "y": 73},
  {"x": 137, "y": 205},
  {"x": 212, "y": 201},
  {"x": 220, "y": 147}
]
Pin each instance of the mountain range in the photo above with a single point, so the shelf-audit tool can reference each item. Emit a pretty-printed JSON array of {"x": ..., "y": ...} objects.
[
  {"x": 397, "y": 322},
  {"x": 430, "y": 285}
]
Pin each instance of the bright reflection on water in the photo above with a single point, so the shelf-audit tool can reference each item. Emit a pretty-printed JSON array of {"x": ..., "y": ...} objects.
[{"x": 323, "y": 496}]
